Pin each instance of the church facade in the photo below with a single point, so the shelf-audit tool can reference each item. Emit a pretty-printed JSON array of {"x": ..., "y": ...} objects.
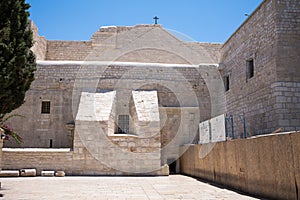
[{"x": 125, "y": 101}]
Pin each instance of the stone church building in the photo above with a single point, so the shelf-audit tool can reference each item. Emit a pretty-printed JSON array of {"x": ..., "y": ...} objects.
[{"x": 127, "y": 99}]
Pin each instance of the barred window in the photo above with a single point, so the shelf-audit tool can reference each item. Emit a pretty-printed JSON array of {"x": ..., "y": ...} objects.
[
  {"x": 123, "y": 124},
  {"x": 45, "y": 107}
]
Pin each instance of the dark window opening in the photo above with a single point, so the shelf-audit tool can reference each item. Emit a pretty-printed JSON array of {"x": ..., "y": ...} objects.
[
  {"x": 250, "y": 69},
  {"x": 123, "y": 124},
  {"x": 46, "y": 107},
  {"x": 226, "y": 83}
]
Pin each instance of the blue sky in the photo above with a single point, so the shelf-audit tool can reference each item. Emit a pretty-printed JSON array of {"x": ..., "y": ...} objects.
[{"x": 202, "y": 20}]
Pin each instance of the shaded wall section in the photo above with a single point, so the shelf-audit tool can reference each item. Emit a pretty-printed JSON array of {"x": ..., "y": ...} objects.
[{"x": 267, "y": 166}]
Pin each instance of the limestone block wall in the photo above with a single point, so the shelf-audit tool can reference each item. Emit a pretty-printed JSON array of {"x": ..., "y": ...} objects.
[
  {"x": 140, "y": 43},
  {"x": 255, "y": 40},
  {"x": 124, "y": 153},
  {"x": 40, "y": 159},
  {"x": 40, "y": 43},
  {"x": 179, "y": 126},
  {"x": 54, "y": 84},
  {"x": 68, "y": 50},
  {"x": 270, "y": 38},
  {"x": 287, "y": 105},
  {"x": 266, "y": 166},
  {"x": 82, "y": 162},
  {"x": 119, "y": 154},
  {"x": 145, "y": 113},
  {"x": 98, "y": 108},
  {"x": 286, "y": 90},
  {"x": 209, "y": 50},
  {"x": 288, "y": 36},
  {"x": 175, "y": 86}
]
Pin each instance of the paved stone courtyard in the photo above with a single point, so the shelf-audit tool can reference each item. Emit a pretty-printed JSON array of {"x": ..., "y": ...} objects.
[{"x": 127, "y": 188}]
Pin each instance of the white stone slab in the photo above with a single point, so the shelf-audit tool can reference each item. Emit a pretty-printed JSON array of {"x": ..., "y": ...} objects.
[
  {"x": 218, "y": 132},
  {"x": 204, "y": 132},
  {"x": 146, "y": 105},
  {"x": 48, "y": 173},
  {"x": 212, "y": 130},
  {"x": 95, "y": 106}
]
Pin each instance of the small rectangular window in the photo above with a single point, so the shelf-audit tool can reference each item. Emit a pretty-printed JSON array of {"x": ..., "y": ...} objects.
[
  {"x": 123, "y": 124},
  {"x": 226, "y": 83},
  {"x": 46, "y": 107},
  {"x": 250, "y": 68}
]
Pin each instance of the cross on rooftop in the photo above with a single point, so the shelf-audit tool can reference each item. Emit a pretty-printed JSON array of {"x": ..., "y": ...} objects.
[{"x": 155, "y": 18}]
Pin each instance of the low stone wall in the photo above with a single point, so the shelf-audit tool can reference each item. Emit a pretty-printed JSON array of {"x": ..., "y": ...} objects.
[
  {"x": 267, "y": 166},
  {"x": 40, "y": 159},
  {"x": 76, "y": 163}
]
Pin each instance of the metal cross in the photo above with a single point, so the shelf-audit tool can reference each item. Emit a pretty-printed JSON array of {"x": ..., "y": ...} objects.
[{"x": 155, "y": 18}]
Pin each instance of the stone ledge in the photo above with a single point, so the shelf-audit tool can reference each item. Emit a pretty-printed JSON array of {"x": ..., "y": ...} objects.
[
  {"x": 123, "y": 136},
  {"x": 48, "y": 173},
  {"x": 9, "y": 173}
]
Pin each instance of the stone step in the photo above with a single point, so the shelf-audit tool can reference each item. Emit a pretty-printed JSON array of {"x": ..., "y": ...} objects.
[
  {"x": 60, "y": 174},
  {"x": 48, "y": 173},
  {"x": 9, "y": 173},
  {"x": 28, "y": 172}
]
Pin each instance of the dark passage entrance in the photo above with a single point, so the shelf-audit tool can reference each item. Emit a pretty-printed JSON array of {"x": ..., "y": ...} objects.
[{"x": 172, "y": 167}]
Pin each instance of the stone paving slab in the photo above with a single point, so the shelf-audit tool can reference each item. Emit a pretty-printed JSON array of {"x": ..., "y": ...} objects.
[{"x": 107, "y": 188}]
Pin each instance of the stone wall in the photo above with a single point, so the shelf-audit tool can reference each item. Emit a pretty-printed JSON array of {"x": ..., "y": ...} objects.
[
  {"x": 117, "y": 41},
  {"x": 210, "y": 50},
  {"x": 55, "y": 81},
  {"x": 268, "y": 37},
  {"x": 40, "y": 43},
  {"x": 287, "y": 90},
  {"x": 286, "y": 106},
  {"x": 266, "y": 166},
  {"x": 179, "y": 126},
  {"x": 68, "y": 50},
  {"x": 75, "y": 163},
  {"x": 288, "y": 37},
  {"x": 40, "y": 159}
]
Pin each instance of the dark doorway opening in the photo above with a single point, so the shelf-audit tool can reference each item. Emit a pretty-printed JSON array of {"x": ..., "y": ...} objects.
[{"x": 172, "y": 167}]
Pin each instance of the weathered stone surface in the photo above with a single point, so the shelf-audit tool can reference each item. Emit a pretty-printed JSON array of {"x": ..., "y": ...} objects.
[
  {"x": 48, "y": 173},
  {"x": 60, "y": 173},
  {"x": 9, "y": 173},
  {"x": 96, "y": 106},
  {"x": 188, "y": 92},
  {"x": 269, "y": 99},
  {"x": 265, "y": 166},
  {"x": 146, "y": 105},
  {"x": 28, "y": 172}
]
